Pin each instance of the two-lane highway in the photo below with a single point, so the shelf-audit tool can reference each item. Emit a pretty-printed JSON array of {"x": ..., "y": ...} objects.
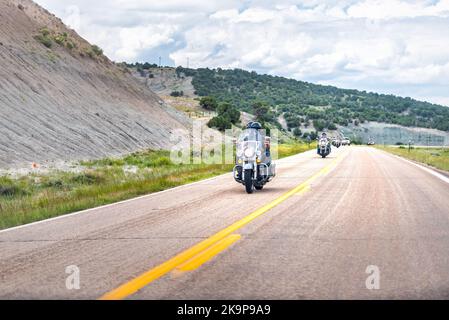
[{"x": 312, "y": 233}]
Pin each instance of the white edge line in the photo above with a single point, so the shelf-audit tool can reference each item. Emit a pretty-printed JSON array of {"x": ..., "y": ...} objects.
[
  {"x": 432, "y": 172},
  {"x": 68, "y": 215}
]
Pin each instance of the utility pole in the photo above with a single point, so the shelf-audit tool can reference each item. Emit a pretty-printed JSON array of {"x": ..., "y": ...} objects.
[
  {"x": 188, "y": 62},
  {"x": 160, "y": 69}
]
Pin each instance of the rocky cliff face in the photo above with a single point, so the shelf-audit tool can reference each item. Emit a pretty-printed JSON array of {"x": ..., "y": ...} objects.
[
  {"x": 62, "y": 99},
  {"x": 165, "y": 80}
]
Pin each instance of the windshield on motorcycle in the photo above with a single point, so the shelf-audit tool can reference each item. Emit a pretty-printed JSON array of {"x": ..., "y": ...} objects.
[
  {"x": 250, "y": 144},
  {"x": 323, "y": 142}
]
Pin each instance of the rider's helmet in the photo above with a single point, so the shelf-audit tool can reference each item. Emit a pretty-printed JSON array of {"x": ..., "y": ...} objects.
[{"x": 254, "y": 125}]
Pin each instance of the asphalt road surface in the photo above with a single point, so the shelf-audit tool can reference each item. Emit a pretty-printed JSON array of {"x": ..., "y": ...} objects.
[{"x": 361, "y": 224}]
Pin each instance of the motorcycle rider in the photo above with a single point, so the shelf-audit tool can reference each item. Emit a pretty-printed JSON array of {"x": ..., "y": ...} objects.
[
  {"x": 254, "y": 167},
  {"x": 258, "y": 127},
  {"x": 323, "y": 136}
]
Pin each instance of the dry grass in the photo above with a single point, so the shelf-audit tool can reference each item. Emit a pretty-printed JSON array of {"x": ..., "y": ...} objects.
[
  {"x": 286, "y": 150},
  {"x": 435, "y": 157}
]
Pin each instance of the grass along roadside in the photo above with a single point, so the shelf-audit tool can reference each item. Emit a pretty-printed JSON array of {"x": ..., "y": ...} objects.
[
  {"x": 36, "y": 197},
  {"x": 286, "y": 150},
  {"x": 434, "y": 157}
]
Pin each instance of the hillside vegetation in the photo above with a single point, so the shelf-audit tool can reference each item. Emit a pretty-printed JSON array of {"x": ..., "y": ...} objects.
[{"x": 303, "y": 104}]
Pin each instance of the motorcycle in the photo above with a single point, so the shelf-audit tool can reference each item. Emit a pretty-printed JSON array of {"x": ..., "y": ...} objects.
[
  {"x": 254, "y": 167},
  {"x": 336, "y": 143},
  {"x": 324, "y": 147}
]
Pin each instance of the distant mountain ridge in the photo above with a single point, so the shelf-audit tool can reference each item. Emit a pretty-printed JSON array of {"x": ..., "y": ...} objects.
[{"x": 303, "y": 104}]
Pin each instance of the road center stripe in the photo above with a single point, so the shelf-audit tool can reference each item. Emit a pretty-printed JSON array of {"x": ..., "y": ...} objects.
[
  {"x": 208, "y": 254},
  {"x": 181, "y": 259}
]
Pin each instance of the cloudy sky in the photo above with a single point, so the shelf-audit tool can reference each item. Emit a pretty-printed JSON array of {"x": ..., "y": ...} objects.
[{"x": 387, "y": 46}]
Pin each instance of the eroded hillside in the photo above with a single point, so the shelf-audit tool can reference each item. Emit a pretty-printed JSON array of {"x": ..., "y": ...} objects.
[
  {"x": 165, "y": 81},
  {"x": 62, "y": 99}
]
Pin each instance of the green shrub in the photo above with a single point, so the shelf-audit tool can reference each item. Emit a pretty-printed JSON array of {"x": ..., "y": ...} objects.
[
  {"x": 163, "y": 161},
  {"x": 331, "y": 126},
  {"x": 70, "y": 45},
  {"x": 229, "y": 112},
  {"x": 227, "y": 116},
  {"x": 51, "y": 56},
  {"x": 96, "y": 50},
  {"x": 54, "y": 183},
  {"x": 61, "y": 38},
  {"x": 44, "y": 37},
  {"x": 93, "y": 52},
  {"x": 221, "y": 123},
  {"x": 297, "y": 132},
  {"x": 9, "y": 191},
  {"x": 177, "y": 93},
  {"x": 208, "y": 103},
  {"x": 87, "y": 178},
  {"x": 44, "y": 32},
  {"x": 45, "y": 40},
  {"x": 319, "y": 125}
]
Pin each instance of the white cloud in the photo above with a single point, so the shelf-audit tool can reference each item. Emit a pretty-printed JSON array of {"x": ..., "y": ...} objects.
[
  {"x": 133, "y": 40},
  {"x": 379, "y": 9},
  {"x": 387, "y": 45},
  {"x": 256, "y": 15},
  {"x": 172, "y": 5}
]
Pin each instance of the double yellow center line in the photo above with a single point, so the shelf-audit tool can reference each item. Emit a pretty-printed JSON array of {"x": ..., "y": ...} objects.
[{"x": 195, "y": 256}]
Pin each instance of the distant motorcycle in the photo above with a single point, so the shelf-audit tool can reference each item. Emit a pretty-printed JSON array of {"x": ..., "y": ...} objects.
[
  {"x": 345, "y": 142},
  {"x": 324, "y": 147},
  {"x": 336, "y": 143},
  {"x": 254, "y": 167}
]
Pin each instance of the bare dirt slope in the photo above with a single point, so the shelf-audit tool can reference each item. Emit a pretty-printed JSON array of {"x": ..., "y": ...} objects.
[
  {"x": 67, "y": 102},
  {"x": 165, "y": 80}
]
